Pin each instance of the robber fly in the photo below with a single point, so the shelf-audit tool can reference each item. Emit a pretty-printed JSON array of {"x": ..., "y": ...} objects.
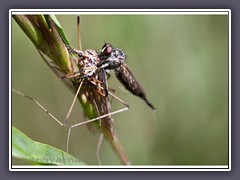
[{"x": 114, "y": 59}]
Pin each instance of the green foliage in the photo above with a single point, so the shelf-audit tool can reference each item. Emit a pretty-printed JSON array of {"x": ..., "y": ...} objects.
[{"x": 25, "y": 148}]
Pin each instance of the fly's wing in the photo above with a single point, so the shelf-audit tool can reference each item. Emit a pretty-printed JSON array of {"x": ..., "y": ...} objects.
[{"x": 125, "y": 76}]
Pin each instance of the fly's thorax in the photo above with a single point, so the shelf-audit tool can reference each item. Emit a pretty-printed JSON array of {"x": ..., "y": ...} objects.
[
  {"x": 117, "y": 57},
  {"x": 114, "y": 60}
]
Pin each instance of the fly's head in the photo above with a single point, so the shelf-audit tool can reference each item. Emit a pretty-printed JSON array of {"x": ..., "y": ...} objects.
[
  {"x": 106, "y": 50},
  {"x": 111, "y": 57}
]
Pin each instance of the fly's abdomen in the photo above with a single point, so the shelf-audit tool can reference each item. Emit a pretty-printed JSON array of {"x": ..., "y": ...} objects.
[{"x": 125, "y": 76}]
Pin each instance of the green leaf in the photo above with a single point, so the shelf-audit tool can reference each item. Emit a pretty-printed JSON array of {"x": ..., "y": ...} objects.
[
  {"x": 58, "y": 26},
  {"x": 37, "y": 153}
]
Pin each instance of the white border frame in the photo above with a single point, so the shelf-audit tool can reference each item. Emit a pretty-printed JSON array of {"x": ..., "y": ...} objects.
[{"x": 121, "y": 12}]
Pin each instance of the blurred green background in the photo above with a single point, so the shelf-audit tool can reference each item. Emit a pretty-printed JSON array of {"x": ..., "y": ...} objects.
[{"x": 181, "y": 61}]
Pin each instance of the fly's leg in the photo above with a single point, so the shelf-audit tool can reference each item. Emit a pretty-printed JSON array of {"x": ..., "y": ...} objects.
[
  {"x": 93, "y": 81},
  {"x": 104, "y": 81}
]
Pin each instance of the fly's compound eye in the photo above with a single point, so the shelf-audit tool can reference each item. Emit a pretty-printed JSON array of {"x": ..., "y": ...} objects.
[{"x": 106, "y": 49}]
